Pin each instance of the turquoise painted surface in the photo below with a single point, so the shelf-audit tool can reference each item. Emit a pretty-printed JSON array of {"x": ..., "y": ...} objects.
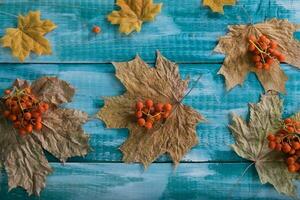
[{"x": 186, "y": 33}]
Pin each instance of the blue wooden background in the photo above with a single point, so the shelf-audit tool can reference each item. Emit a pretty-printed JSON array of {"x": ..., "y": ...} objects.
[{"x": 184, "y": 32}]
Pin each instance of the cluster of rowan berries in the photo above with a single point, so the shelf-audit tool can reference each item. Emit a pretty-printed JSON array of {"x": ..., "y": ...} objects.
[
  {"x": 287, "y": 140},
  {"x": 149, "y": 112},
  {"x": 264, "y": 51},
  {"x": 24, "y": 110}
]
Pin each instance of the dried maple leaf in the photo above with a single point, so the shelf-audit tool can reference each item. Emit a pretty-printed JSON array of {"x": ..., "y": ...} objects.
[
  {"x": 61, "y": 135},
  {"x": 251, "y": 143},
  {"x": 217, "y": 5},
  {"x": 237, "y": 63},
  {"x": 28, "y": 36},
  {"x": 133, "y": 13},
  {"x": 162, "y": 83}
]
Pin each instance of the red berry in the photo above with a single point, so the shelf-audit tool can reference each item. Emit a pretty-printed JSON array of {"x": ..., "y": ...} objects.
[
  {"x": 256, "y": 58},
  {"x": 139, "y": 105},
  {"x": 272, "y": 145},
  {"x": 288, "y": 121},
  {"x": 141, "y": 122},
  {"x": 22, "y": 132},
  {"x": 291, "y": 160},
  {"x": 292, "y": 168},
  {"x": 252, "y": 38},
  {"x": 159, "y": 107},
  {"x": 27, "y": 115},
  {"x": 273, "y": 44},
  {"x": 6, "y": 113},
  {"x": 266, "y": 66},
  {"x": 29, "y": 128},
  {"x": 251, "y": 47},
  {"x": 149, "y": 124},
  {"x": 278, "y": 147},
  {"x": 149, "y": 103},
  {"x": 38, "y": 126},
  {"x": 270, "y": 61},
  {"x": 259, "y": 65},
  {"x": 271, "y": 137},
  {"x": 96, "y": 29},
  {"x": 290, "y": 129},
  {"x": 7, "y": 92},
  {"x": 286, "y": 148},
  {"x": 296, "y": 145},
  {"x": 167, "y": 107},
  {"x": 139, "y": 114},
  {"x": 281, "y": 57},
  {"x": 12, "y": 117}
]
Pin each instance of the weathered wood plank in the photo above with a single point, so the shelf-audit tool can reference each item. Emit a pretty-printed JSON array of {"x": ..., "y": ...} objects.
[
  {"x": 185, "y": 31},
  {"x": 209, "y": 97},
  {"x": 110, "y": 181}
]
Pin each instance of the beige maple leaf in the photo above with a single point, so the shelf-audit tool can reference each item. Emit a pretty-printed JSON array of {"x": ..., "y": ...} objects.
[
  {"x": 217, "y": 5},
  {"x": 251, "y": 143},
  {"x": 28, "y": 36},
  {"x": 133, "y": 13},
  {"x": 61, "y": 135},
  {"x": 162, "y": 84},
  {"x": 237, "y": 63}
]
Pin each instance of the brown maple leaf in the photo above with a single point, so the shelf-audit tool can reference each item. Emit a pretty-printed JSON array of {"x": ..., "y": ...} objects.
[
  {"x": 133, "y": 13},
  {"x": 28, "y": 36},
  {"x": 251, "y": 143},
  {"x": 217, "y": 5},
  {"x": 237, "y": 63},
  {"x": 61, "y": 135},
  {"x": 163, "y": 84}
]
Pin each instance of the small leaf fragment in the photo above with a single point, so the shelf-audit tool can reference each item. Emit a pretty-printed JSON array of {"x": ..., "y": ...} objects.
[
  {"x": 133, "y": 13},
  {"x": 217, "y": 5},
  {"x": 28, "y": 36}
]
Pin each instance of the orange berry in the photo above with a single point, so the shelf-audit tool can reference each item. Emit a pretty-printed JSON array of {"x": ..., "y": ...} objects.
[
  {"x": 288, "y": 121},
  {"x": 271, "y": 137},
  {"x": 286, "y": 148},
  {"x": 273, "y": 44},
  {"x": 7, "y": 92},
  {"x": 46, "y": 106},
  {"x": 141, "y": 122},
  {"x": 27, "y": 116},
  {"x": 17, "y": 124},
  {"x": 259, "y": 65},
  {"x": 165, "y": 115},
  {"x": 278, "y": 147},
  {"x": 35, "y": 114},
  {"x": 256, "y": 58},
  {"x": 252, "y": 38},
  {"x": 266, "y": 66},
  {"x": 272, "y": 145},
  {"x": 139, "y": 114},
  {"x": 281, "y": 57},
  {"x": 139, "y": 105},
  {"x": 22, "y": 132},
  {"x": 251, "y": 47},
  {"x": 38, "y": 126},
  {"x": 296, "y": 145},
  {"x": 263, "y": 38},
  {"x": 12, "y": 117},
  {"x": 270, "y": 61},
  {"x": 6, "y": 113},
  {"x": 167, "y": 107},
  {"x": 149, "y": 103},
  {"x": 291, "y": 160},
  {"x": 292, "y": 168},
  {"x": 29, "y": 128},
  {"x": 149, "y": 124},
  {"x": 159, "y": 107},
  {"x": 96, "y": 29},
  {"x": 38, "y": 119},
  {"x": 290, "y": 129}
]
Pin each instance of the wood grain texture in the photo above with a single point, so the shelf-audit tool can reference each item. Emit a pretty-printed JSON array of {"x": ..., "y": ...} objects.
[
  {"x": 205, "y": 181},
  {"x": 94, "y": 81},
  {"x": 185, "y": 31}
]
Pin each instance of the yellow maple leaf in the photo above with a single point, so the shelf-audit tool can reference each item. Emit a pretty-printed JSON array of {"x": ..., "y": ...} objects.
[
  {"x": 133, "y": 13},
  {"x": 28, "y": 36},
  {"x": 217, "y": 5}
]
